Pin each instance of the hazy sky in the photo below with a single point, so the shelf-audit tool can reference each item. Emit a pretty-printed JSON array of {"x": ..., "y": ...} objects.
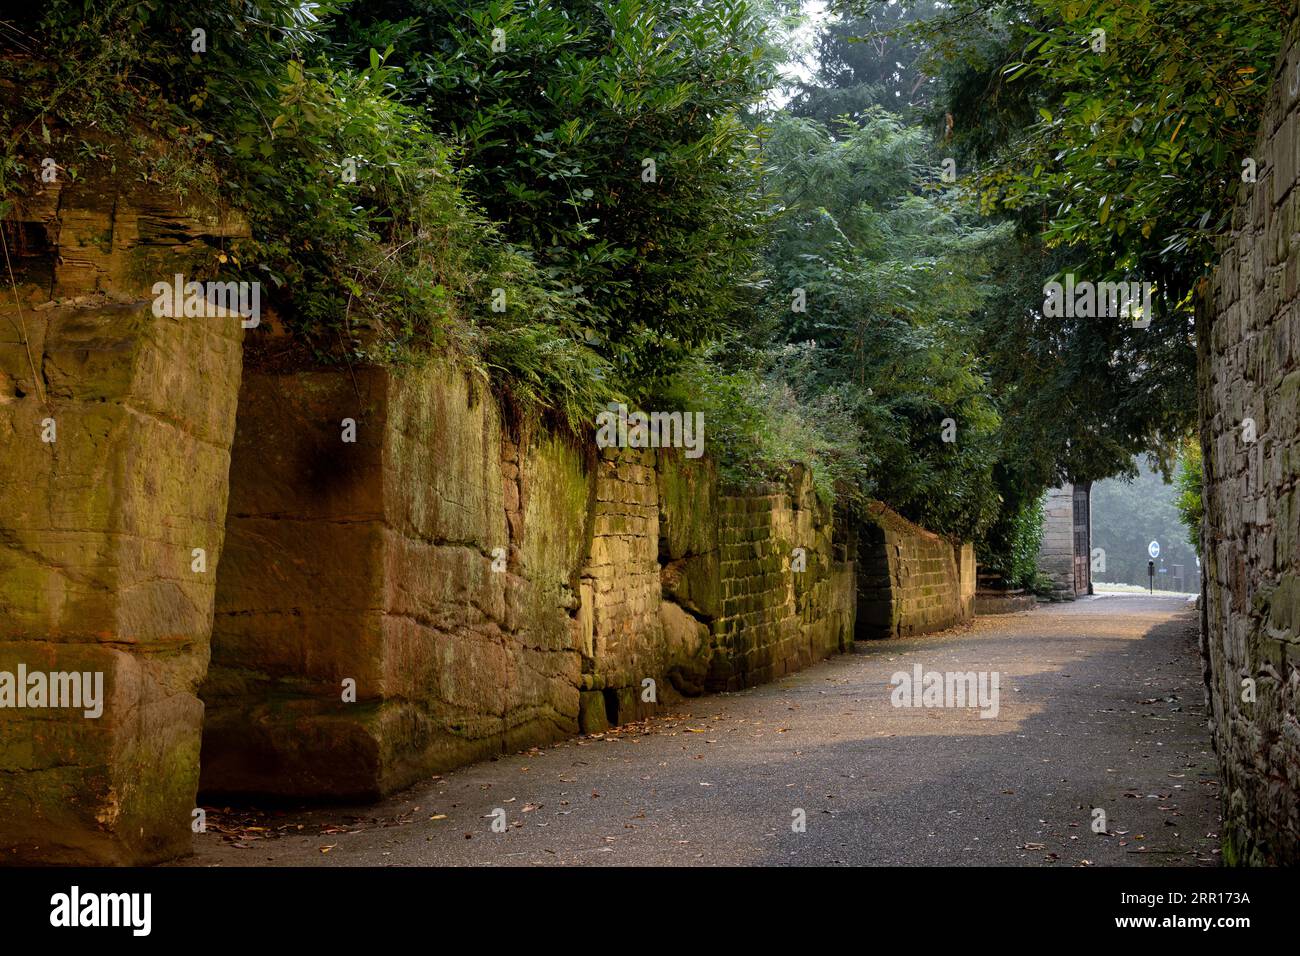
[{"x": 813, "y": 13}]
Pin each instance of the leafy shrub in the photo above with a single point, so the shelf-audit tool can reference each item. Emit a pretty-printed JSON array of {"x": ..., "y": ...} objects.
[
  {"x": 556, "y": 107},
  {"x": 757, "y": 425},
  {"x": 1011, "y": 546},
  {"x": 1190, "y": 480},
  {"x": 361, "y": 226},
  {"x": 889, "y": 270}
]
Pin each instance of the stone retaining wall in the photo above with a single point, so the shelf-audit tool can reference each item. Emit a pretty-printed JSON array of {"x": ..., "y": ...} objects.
[
  {"x": 430, "y": 563},
  {"x": 786, "y": 592},
  {"x": 484, "y": 589},
  {"x": 406, "y": 578},
  {"x": 910, "y": 581},
  {"x": 1248, "y": 329}
]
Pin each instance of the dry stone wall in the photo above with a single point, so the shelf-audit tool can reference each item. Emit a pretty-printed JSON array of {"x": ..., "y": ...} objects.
[{"x": 1249, "y": 355}]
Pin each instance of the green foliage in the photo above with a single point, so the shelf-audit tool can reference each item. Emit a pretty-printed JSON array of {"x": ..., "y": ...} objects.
[
  {"x": 868, "y": 60},
  {"x": 1126, "y": 156},
  {"x": 758, "y": 425},
  {"x": 499, "y": 145},
  {"x": 556, "y": 116},
  {"x": 1043, "y": 129},
  {"x": 1190, "y": 482},
  {"x": 891, "y": 270},
  {"x": 1139, "y": 146},
  {"x": 379, "y": 266},
  {"x": 1010, "y": 547},
  {"x": 1085, "y": 394}
]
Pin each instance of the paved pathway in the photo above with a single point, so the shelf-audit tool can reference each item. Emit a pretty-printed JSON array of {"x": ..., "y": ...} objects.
[{"x": 1101, "y": 706}]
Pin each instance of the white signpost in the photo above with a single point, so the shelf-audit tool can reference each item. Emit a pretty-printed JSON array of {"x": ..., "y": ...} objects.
[{"x": 1153, "y": 549}]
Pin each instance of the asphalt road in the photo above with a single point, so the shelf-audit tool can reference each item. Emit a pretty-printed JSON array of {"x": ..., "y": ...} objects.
[{"x": 1100, "y": 707}]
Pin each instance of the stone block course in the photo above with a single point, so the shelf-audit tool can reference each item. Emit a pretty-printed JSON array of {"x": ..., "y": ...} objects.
[{"x": 909, "y": 580}]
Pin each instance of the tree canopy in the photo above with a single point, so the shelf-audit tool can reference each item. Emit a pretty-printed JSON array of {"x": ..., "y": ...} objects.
[{"x": 589, "y": 202}]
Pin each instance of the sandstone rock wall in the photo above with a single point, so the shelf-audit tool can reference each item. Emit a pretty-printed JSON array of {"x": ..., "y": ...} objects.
[
  {"x": 1249, "y": 355},
  {"x": 633, "y": 577},
  {"x": 485, "y": 588},
  {"x": 909, "y": 580},
  {"x": 431, "y": 562},
  {"x": 99, "y": 526},
  {"x": 406, "y": 578}
]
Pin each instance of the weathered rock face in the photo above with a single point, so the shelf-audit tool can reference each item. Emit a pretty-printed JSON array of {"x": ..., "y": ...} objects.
[
  {"x": 429, "y": 565},
  {"x": 910, "y": 581},
  {"x": 405, "y": 581},
  {"x": 115, "y": 429},
  {"x": 485, "y": 590},
  {"x": 1249, "y": 345}
]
